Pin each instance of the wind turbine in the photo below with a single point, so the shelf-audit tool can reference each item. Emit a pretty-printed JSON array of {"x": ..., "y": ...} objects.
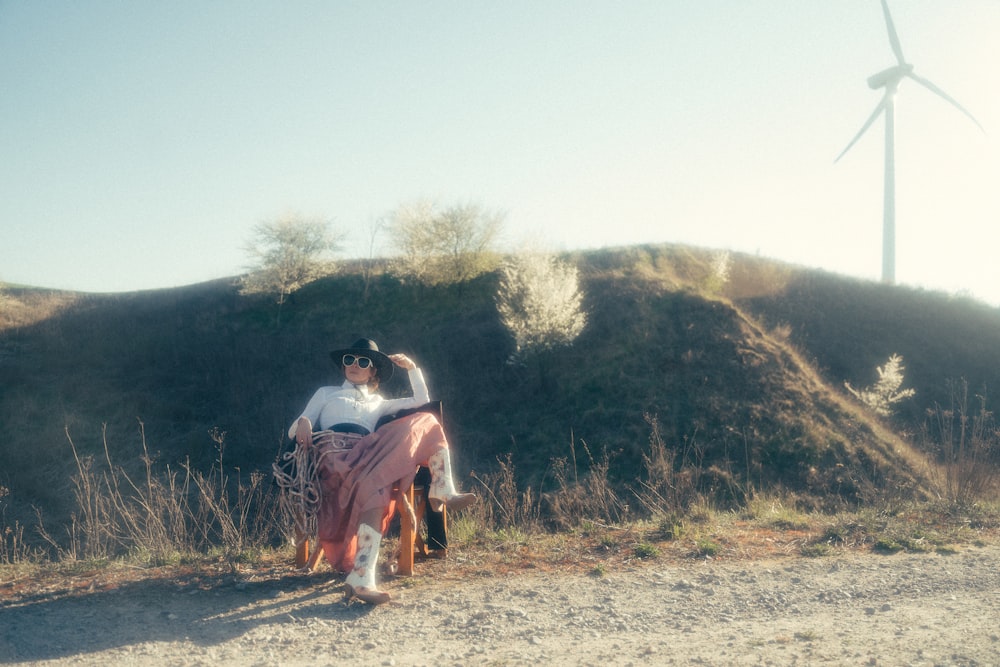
[{"x": 889, "y": 79}]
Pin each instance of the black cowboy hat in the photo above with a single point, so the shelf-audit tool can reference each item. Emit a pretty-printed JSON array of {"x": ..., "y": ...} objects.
[{"x": 363, "y": 347}]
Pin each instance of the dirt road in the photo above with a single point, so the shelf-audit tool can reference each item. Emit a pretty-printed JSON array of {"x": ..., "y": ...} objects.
[{"x": 848, "y": 609}]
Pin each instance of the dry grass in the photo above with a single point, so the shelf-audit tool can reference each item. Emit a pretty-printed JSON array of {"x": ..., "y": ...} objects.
[
  {"x": 25, "y": 307},
  {"x": 774, "y": 533},
  {"x": 13, "y": 547},
  {"x": 583, "y": 520},
  {"x": 166, "y": 515},
  {"x": 128, "y": 531},
  {"x": 769, "y": 531},
  {"x": 967, "y": 441}
]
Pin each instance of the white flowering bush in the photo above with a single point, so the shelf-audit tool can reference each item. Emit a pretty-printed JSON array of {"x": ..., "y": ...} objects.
[
  {"x": 884, "y": 394},
  {"x": 721, "y": 268},
  {"x": 540, "y": 303}
]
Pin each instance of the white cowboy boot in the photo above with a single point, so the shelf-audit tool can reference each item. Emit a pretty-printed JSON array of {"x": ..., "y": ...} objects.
[
  {"x": 361, "y": 581},
  {"x": 443, "y": 492}
]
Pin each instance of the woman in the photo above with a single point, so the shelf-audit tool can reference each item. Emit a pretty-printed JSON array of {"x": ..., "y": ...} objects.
[{"x": 358, "y": 466}]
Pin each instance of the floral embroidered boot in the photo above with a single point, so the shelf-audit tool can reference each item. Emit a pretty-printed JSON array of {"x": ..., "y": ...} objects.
[
  {"x": 361, "y": 581},
  {"x": 443, "y": 492}
]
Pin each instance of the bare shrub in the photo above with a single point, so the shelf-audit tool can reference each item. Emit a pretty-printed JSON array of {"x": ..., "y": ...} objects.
[
  {"x": 166, "y": 514},
  {"x": 969, "y": 445},
  {"x": 590, "y": 498},
  {"x": 92, "y": 530},
  {"x": 237, "y": 522},
  {"x": 444, "y": 247},
  {"x": 13, "y": 549},
  {"x": 508, "y": 506},
  {"x": 288, "y": 253},
  {"x": 668, "y": 488}
]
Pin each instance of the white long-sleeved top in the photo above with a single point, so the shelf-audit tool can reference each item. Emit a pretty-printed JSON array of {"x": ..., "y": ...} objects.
[{"x": 350, "y": 404}]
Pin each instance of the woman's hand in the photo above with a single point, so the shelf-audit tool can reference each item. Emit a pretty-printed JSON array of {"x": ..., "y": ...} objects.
[{"x": 402, "y": 361}]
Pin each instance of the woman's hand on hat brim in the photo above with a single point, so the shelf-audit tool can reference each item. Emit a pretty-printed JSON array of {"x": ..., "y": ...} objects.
[{"x": 402, "y": 361}]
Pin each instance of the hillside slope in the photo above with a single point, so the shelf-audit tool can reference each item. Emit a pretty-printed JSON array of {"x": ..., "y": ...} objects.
[
  {"x": 851, "y": 326},
  {"x": 736, "y": 401}
]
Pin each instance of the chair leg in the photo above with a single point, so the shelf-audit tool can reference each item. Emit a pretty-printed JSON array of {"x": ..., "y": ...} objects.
[
  {"x": 444, "y": 525},
  {"x": 303, "y": 436},
  {"x": 407, "y": 535},
  {"x": 301, "y": 549},
  {"x": 437, "y": 530},
  {"x": 420, "y": 511},
  {"x": 314, "y": 557}
]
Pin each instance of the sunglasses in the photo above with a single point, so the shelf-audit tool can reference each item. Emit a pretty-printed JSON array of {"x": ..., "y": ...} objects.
[{"x": 362, "y": 362}]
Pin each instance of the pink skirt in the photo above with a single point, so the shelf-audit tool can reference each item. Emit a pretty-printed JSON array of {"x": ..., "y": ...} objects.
[{"x": 362, "y": 478}]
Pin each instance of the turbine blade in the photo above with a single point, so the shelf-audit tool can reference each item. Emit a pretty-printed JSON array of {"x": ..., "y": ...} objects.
[
  {"x": 864, "y": 128},
  {"x": 940, "y": 93},
  {"x": 893, "y": 38}
]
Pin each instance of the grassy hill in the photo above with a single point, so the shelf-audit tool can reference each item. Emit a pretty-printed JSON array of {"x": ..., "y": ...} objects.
[{"x": 742, "y": 380}]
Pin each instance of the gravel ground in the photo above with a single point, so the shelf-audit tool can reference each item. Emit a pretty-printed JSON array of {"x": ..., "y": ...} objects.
[{"x": 848, "y": 609}]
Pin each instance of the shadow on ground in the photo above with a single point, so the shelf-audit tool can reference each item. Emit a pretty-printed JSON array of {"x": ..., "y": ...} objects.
[{"x": 202, "y": 609}]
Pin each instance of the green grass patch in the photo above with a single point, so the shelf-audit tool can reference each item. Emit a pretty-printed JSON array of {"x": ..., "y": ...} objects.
[
  {"x": 708, "y": 548},
  {"x": 646, "y": 550}
]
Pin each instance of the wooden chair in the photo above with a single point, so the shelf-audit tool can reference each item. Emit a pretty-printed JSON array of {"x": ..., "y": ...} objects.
[
  {"x": 411, "y": 507},
  {"x": 411, "y": 544}
]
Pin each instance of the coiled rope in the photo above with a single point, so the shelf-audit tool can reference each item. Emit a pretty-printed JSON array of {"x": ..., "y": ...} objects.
[{"x": 297, "y": 475}]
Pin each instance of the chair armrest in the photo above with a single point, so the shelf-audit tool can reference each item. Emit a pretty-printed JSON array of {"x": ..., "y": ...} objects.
[{"x": 433, "y": 407}]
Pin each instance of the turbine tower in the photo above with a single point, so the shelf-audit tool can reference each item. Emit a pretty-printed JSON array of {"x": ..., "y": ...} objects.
[{"x": 889, "y": 79}]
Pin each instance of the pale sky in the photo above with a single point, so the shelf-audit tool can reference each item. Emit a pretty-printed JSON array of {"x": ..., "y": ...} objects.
[{"x": 141, "y": 141}]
